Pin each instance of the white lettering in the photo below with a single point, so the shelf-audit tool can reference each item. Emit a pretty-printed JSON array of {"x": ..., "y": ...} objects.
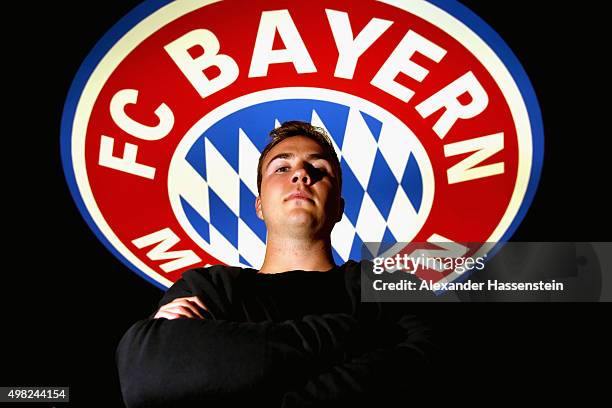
[
  {"x": 126, "y": 163},
  {"x": 166, "y": 239},
  {"x": 450, "y": 249},
  {"x": 193, "y": 68},
  {"x": 447, "y": 98},
  {"x": 484, "y": 147},
  {"x": 136, "y": 129},
  {"x": 399, "y": 62},
  {"x": 295, "y": 51},
  {"x": 349, "y": 48}
]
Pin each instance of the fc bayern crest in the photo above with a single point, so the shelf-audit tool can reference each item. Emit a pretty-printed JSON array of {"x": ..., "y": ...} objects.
[{"x": 435, "y": 123}]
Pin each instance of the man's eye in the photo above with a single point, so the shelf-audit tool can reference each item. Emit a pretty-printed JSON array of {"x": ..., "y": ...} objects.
[
  {"x": 282, "y": 169},
  {"x": 322, "y": 170}
]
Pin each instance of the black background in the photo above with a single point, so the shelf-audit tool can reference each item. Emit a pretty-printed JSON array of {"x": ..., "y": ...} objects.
[{"x": 67, "y": 301}]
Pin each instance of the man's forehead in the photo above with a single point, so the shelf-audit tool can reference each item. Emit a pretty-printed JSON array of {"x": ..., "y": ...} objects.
[
  {"x": 297, "y": 145},
  {"x": 297, "y": 142}
]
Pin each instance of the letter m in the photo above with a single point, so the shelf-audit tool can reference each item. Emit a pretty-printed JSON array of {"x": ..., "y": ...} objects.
[{"x": 164, "y": 240}]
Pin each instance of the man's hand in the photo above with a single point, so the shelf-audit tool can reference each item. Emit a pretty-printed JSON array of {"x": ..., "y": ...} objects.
[{"x": 182, "y": 307}]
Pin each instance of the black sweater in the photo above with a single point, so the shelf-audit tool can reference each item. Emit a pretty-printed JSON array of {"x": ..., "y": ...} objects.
[{"x": 291, "y": 339}]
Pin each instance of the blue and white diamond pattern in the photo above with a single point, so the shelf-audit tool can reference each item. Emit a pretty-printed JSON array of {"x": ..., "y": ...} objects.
[{"x": 383, "y": 184}]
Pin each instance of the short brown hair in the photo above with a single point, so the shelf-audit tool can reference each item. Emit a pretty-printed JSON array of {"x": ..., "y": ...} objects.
[{"x": 298, "y": 128}]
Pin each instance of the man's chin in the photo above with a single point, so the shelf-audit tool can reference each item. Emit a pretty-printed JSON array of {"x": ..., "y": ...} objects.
[{"x": 301, "y": 218}]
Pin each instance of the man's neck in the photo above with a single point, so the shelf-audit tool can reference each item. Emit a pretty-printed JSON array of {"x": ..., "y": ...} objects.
[{"x": 285, "y": 254}]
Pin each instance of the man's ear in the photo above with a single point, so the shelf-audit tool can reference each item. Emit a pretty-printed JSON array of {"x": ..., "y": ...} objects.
[
  {"x": 258, "y": 208},
  {"x": 340, "y": 209}
]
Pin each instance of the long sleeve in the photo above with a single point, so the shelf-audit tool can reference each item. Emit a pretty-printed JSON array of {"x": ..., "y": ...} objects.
[
  {"x": 373, "y": 377},
  {"x": 272, "y": 347},
  {"x": 164, "y": 362}
]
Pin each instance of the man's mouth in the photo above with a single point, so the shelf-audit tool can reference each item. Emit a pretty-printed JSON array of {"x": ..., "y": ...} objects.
[{"x": 300, "y": 195}]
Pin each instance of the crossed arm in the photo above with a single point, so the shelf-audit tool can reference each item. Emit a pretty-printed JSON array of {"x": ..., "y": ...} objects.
[
  {"x": 164, "y": 362},
  {"x": 181, "y": 358}
]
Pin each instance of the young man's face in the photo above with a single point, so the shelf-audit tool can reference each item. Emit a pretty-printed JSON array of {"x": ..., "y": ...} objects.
[{"x": 299, "y": 190}]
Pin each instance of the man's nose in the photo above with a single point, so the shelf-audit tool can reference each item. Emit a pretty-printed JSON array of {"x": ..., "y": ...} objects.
[{"x": 301, "y": 174}]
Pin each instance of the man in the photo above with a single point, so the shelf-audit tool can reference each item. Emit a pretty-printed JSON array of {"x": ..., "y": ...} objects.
[{"x": 293, "y": 333}]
